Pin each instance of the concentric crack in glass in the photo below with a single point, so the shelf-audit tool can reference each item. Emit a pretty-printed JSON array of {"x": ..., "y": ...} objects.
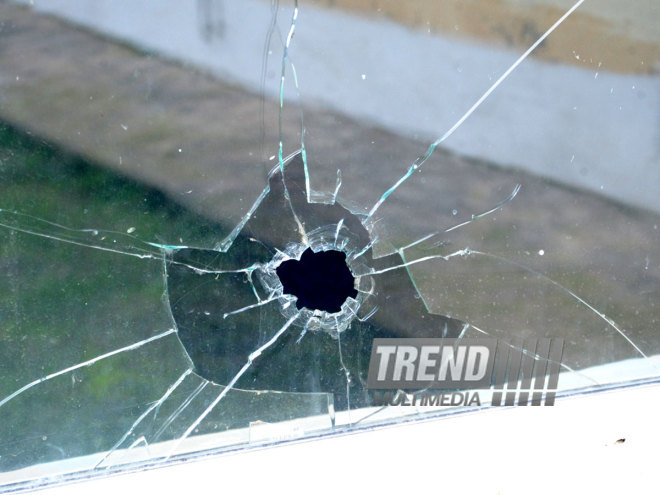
[
  {"x": 236, "y": 303},
  {"x": 169, "y": 330}
]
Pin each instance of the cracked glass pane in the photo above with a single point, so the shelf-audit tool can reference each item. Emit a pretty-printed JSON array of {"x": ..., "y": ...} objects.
[{"x": 202, "y": 233}]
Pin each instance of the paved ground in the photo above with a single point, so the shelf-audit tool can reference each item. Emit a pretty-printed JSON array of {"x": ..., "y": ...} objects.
[
  {"x": 572, "y": 111},
  {"x": 207, "y": 144}
]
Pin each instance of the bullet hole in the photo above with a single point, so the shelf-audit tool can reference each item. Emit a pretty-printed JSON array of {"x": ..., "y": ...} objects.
[{"x": 319, "y": 280}]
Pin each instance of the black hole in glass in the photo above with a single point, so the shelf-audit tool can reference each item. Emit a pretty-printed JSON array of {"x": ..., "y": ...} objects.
[{"x": 319, "y": 280}]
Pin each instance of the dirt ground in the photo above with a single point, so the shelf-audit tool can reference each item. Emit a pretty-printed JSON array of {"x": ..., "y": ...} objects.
[{"x": 632, "y": 32}]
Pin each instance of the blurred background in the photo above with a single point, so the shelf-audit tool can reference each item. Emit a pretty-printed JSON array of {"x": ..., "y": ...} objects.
[{"x": 157, "y": 122}]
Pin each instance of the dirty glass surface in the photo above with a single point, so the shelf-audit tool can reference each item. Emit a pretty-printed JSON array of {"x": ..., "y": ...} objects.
[{"x": 175, "y": 181}]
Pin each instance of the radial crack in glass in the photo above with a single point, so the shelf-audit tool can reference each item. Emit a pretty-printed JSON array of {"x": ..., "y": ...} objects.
[{"x": 228, "y": 304}]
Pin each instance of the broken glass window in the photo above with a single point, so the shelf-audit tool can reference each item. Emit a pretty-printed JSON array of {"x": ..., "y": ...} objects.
[{"x": 158, "y": 251}]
